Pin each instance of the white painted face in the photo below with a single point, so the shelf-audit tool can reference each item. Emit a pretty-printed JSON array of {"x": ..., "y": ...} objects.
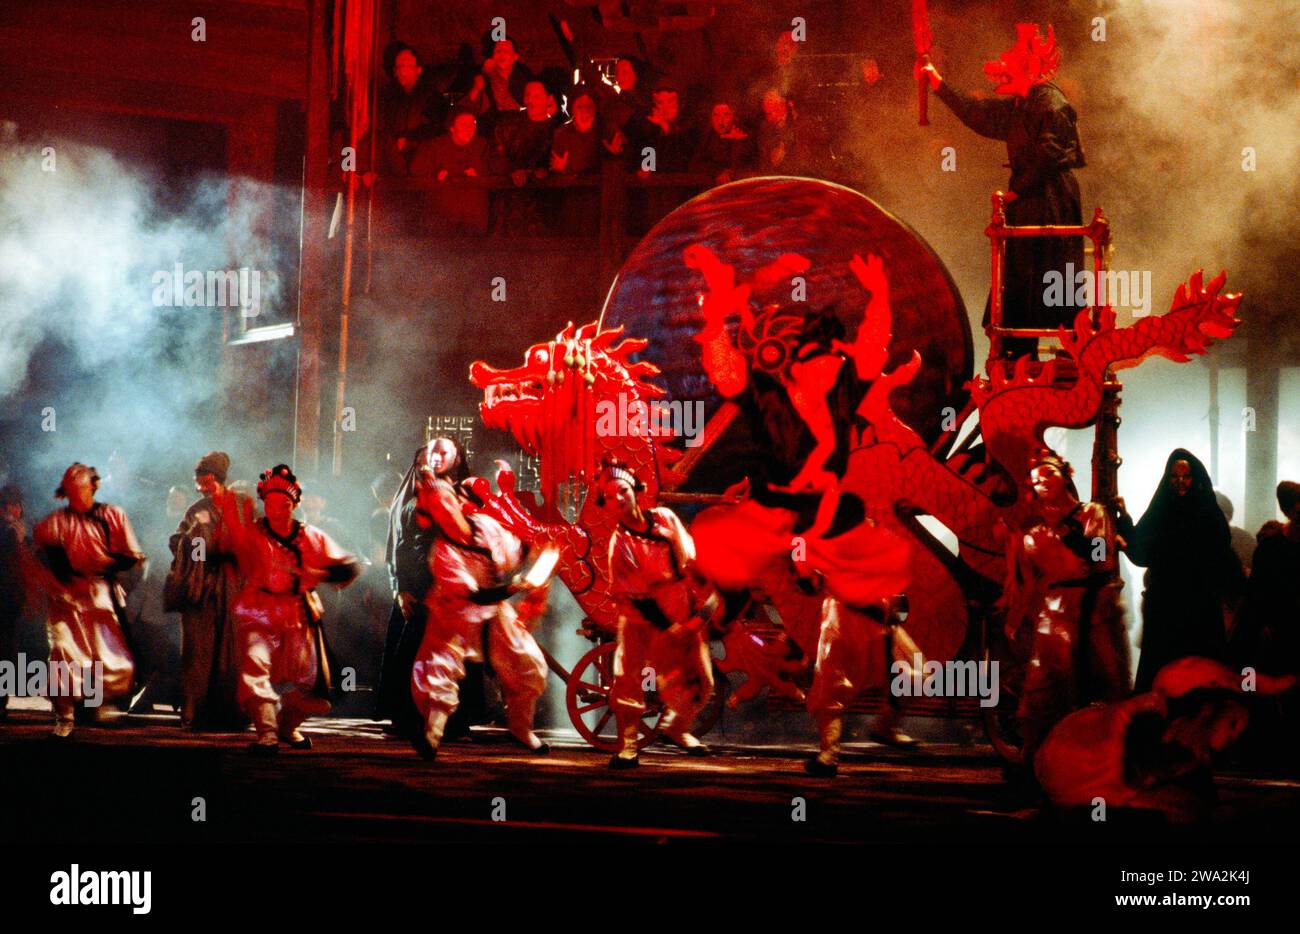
[
  {"x": 442, "y": 456},
  {"x": 620, "y": 497}
]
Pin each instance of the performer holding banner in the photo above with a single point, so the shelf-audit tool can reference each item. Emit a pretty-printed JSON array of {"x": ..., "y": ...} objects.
[
  {"x": 1038, "y": 124},
  {"x": 283, "y": 660},
  {"x": 86, "y": 545}
]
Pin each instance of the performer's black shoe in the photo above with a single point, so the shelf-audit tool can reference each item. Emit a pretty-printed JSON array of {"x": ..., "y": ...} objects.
[
  {"x": 427, "y": 751},
  {"x": 304, "y": 743},
  {"x": 618, "y": 763},
  {"x": 819, "y": 769},
  {"x": 263, "y": 750}
]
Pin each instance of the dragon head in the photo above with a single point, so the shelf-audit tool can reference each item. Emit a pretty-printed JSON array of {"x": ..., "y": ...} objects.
[{"x": 550, "y": 403}]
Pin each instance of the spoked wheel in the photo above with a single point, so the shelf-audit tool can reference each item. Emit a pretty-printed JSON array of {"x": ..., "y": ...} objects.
[{"x": 586, "y": 695}]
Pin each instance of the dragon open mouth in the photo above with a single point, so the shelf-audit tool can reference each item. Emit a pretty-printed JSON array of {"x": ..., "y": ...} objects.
[
  {"x": 512, "y": 401},
  {"x": 505, "y": 393}
]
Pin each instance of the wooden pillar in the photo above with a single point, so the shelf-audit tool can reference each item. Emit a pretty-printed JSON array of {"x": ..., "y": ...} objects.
[
  {"x": 314, "y": 270},
  {"x": 1263, "y": 391}
]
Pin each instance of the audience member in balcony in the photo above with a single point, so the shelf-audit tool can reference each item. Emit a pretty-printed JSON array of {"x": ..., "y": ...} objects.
[
  {"x": 660, "y": 133},
  {"x": 630, "y": 99},
  {"x": 410, "y": 109},
  {"x": 459, "y": 154},
  {"x": 522, "y": 139},
  {"x": 500, "y": 89},
  {"x": 725, "y": 149},
  {"x": 780, "y": 151},
  {"x": 576, "y": 149}
]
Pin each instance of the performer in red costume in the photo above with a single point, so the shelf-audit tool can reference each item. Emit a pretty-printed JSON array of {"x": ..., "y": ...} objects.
[
  {"x": 469, "y": 616},
  {"x": 664, "y": 611},
  {"x": 282, "y": 657},
  {"x": 1062, "y": 586},
  {"x": 86, "y": 545},
  {"x": 1152, "y": 752},
  {"x": 1039, "y": 127}
]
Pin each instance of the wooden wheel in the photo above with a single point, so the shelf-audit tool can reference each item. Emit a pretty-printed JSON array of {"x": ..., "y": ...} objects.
[{"x": 586, "y": 695}]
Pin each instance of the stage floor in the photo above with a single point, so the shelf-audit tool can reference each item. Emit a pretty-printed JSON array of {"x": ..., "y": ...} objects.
[{"x": 137, "y": 778}]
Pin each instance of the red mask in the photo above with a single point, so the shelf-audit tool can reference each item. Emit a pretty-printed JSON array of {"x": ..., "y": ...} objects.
[{"x": 1032, "y": 60}]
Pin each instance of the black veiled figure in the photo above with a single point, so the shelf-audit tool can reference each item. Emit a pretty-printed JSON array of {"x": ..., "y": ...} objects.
[{"x": 1184, "y": 542}]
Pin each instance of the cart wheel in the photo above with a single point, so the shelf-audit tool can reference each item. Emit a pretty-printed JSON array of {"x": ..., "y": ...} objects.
[{"x": 586, "y": 695}]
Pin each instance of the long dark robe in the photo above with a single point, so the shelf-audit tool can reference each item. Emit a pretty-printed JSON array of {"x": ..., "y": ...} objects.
[
  {"x": 1185, "y": 545},
  {"x": 1269, "y": 639},
  {"x": 209, "y": 654},
  {"x": 409, "y": 566},
  {"x": 1042, "y": 147},
  {"x": 408, "y": 550}
]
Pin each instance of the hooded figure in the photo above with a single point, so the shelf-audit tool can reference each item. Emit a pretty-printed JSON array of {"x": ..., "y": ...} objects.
[{"x": 1183, "y": 541}]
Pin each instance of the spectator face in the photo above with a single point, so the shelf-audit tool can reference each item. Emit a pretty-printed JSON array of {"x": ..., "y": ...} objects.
[
  {"x": 584, "y": 113},
  {"x": 666, "y": 105},
  {"x": 504, "y": 57},
  {"x": 625, "y": 75},
  {"x": 407, "y": 70},
  {"x": 774, "y": 106},
  {"x": 535, "y": 99},
  {"x": 723, "y": 119},
  {"x": 463, "y": 129}
]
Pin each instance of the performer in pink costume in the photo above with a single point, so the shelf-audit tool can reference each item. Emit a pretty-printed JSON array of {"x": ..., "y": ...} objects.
[
  {"x": 86, "y": 545},
  {"x": 472, "y": 564},
  {"x": 282, "y": 659}
]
